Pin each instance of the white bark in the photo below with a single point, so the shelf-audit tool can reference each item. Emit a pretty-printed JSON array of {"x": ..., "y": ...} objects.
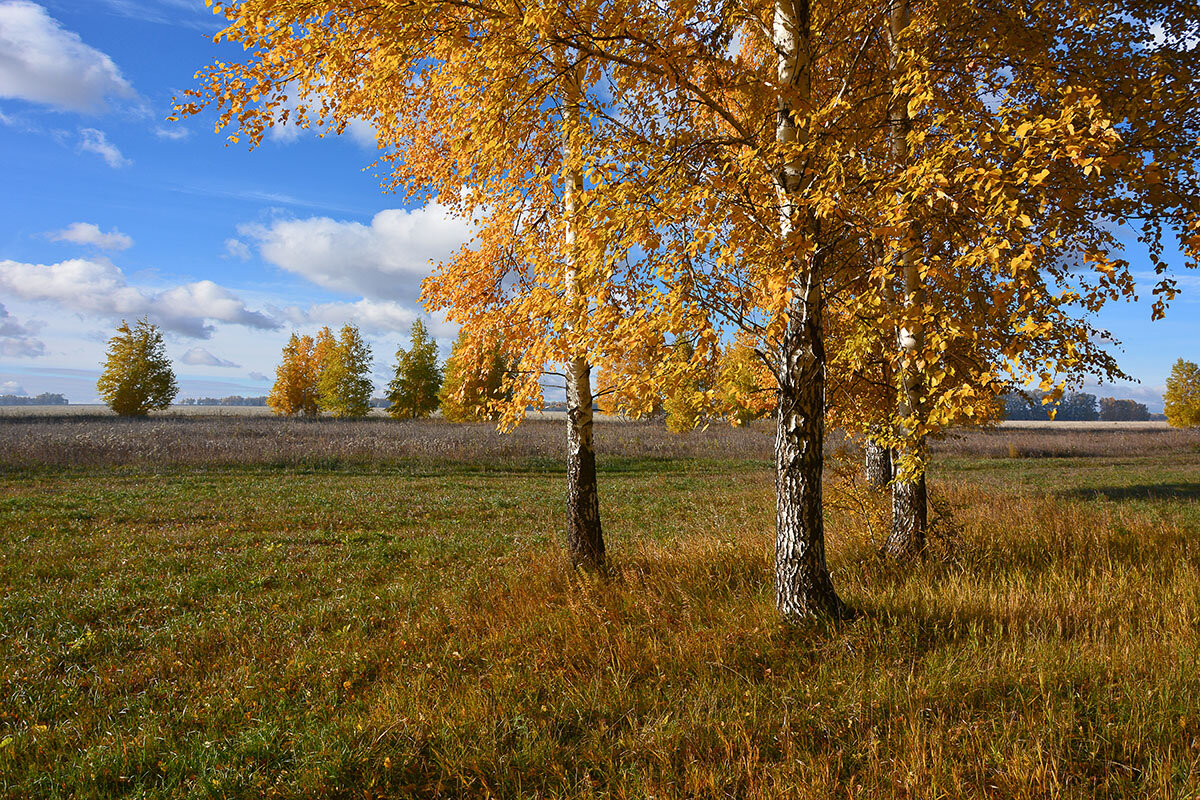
[
  {"x": 585, "y": 541},
  {"x": 803, "y": 588},
  {"x": 909, "y": 514}
]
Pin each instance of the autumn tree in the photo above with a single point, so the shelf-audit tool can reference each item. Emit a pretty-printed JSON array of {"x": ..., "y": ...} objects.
[
  {"x": 295, "y": 388},
  {"x": 944, "y": 175},
  {"x": 137, "y": 376},
  {"x": 344, "y": 368},
  {"x": 1181, "y": 403},
  {"x": 743, "y": 390},
  {"x": 474, "y": 388},
  {"x": 413, "y": 392}
]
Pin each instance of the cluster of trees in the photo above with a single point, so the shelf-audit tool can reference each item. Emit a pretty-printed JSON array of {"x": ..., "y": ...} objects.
[
  {"x": 231, "y": 400},
  {"x": 43, "y": 399},
  {"x": 902, "y": 208},
  {"x": 324, "y": 374},
  {"x": 1114, "y": 410}
]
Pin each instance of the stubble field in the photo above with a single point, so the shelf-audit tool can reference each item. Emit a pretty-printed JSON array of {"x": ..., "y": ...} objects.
[{"x": 252, "y": 608}]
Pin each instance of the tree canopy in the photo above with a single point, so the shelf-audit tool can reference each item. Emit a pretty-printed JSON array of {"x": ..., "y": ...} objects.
[
  {"x": 1181, "y": 403},
  {"x": 919, "y": 199},
  {"x": 413, "y": 392},
  {"x": 137, "y": 376}
]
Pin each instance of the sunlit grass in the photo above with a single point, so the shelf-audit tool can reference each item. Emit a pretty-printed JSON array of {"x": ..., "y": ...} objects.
[{"x": 410, "y": 631}]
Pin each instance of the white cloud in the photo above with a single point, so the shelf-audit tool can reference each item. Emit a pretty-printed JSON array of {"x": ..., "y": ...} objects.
[
  {"x": 360, "y": 131},
  {"x": 88, "y": 233},
  {"x": 42, "y": 63},
  {"x": 95, "y": 141},
  {"x": 17, "y": 339},
  {"x": 236, "y": 248},
  {"x": 372, "y": 316},
  {"x": 175, "y": 133},
  {"x": 200, "y": 357},
  {"x": 12, "y": 387},
  {"x": 98, "y": 288},
  {"x": 385, "y": 260}
]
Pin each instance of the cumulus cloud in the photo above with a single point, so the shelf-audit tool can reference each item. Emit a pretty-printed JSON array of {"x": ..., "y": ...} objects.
[
  {"x": 90, "y": 234},
  {"x": 384, "y": 260},
  {"x": 42, "y": 63},
  {"x": 11, "y": 387},
  {"x": 200, "y": 357},
  {"x": 99, "y": 288},
  {"x": 95, "y": 141},
  {"x": 373, "y": 316}
]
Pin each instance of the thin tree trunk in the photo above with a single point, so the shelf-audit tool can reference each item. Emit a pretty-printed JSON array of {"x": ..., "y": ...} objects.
[
  {"x": 909, "y": 516},
  {"x": 909, "y": 523},
  {"x": 878, "y": 465},
  {"x": 803, "y": 588},
  {"x": 585, "y": 539}
]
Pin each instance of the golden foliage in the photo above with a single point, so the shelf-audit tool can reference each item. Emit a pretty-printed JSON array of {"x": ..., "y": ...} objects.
[
  {"x": 295, "y": 387},
  {"x": 137, "y": 376},
  {"x": 1181, "y": 403}
]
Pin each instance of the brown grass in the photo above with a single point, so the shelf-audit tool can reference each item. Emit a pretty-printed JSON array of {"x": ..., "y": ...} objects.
[{"x": 230, "y": 440}]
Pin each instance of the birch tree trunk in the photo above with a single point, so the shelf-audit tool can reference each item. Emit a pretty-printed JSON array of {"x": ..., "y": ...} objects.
[
  {"x": 909, "y": 517},
  {"x": 803, "y": 588},
  {"x": 878, "y": 465},
  {"x": 585, "y": 539}
]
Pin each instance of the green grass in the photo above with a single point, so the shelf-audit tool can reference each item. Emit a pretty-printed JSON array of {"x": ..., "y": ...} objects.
[{"x": 409, "y": 631}]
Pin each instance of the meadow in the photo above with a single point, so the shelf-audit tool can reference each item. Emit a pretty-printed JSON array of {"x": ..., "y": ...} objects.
[{"x": 202, "y": 607}]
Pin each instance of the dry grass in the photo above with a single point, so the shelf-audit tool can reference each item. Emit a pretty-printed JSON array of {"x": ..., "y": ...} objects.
[
  {"x": 397, "y": 629},
  {"x": 214, "y": 441},
  {"x": 252, "y": 438},
  {"x": 1111, "y": 440}
]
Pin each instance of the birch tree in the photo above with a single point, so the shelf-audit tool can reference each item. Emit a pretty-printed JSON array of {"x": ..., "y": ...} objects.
[{"x": 797, "y": 171}]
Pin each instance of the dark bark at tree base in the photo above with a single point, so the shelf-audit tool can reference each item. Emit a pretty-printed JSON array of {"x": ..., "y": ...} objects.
[
  {"x": 878, "y": 466},
  {"x": 909, "y": 520},
  {"x": 585, "y": 538}
]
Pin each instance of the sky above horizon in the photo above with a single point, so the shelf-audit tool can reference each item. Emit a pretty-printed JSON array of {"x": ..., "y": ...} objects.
[{"x": 111, "y": 211}]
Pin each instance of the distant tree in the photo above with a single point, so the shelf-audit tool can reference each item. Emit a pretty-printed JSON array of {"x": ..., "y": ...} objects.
[
  {"x": 1025, "y": 406},
  {"x": 473, "y": 381},
  {"x": 684, "y": 399},
  {"x": 1077, "y": 407},
  {"x": 295, "y": 389},
  {"x": 323, "y": 346},
  {"x": 1114, "y": 410},
  {"x": 137, "y": 376},
  {"x": 744, "y": 384},
  {"x": 343, "y": 382},
  {"x": 413, "y": 393},
  {"x": 1181, "y": 403}
]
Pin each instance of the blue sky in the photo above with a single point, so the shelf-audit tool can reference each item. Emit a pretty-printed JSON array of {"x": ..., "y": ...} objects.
[{"x": 109, "y": 211}]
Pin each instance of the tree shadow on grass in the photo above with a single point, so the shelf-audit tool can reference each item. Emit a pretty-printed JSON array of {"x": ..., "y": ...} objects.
[{"x": 1156, "y": 491}]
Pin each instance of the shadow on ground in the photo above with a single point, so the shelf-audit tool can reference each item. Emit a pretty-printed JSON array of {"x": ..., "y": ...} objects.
[{"x": 1156, "y": 491}]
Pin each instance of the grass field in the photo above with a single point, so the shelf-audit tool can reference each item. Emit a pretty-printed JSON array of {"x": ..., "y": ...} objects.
[{"x": 332, "y": 611}]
